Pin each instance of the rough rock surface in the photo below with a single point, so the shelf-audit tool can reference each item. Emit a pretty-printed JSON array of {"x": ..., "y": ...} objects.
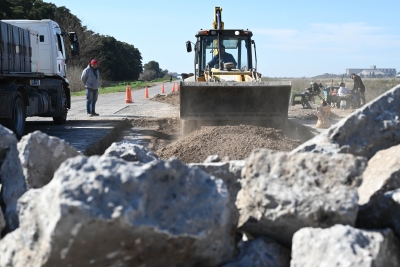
[
  {"x": 382, "y": 211},
  {"x": 237, "y": 142},
  {"x": 382, "y": 174},
  {"x": 344, "y": 246},
  {"x": 41, "y": 155},
  {"x": 12, "y": 180},
  {"x": 282, "y": 193},
  {"x": 229, "y": 172},
  {"x": 261, "y": 252},
  {"x": 374, "y": 127},
  {"x": 130, "y": 152},
  {"x": 104, "y": 211}
]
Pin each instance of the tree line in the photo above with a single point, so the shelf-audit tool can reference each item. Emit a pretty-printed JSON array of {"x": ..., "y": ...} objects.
[{"x": 119, "y": 60}]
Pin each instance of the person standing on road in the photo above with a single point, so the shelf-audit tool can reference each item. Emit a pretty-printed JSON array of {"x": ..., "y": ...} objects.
[
  {"x": 170, "y": 79},
  {"x": 358, "y": 88},
  {"x": 91, "y": 79}
]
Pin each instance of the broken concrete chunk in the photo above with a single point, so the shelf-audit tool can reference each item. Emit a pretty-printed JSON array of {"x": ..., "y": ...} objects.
[
  {"x": 282, "y": 193},
  {"x": 212, "y": 158},
  {"x": 104, "y": 211},
  {"x": 374, "y": 127},
  {"x": 381, "y": 175},
  {"x": 11, "y": 177},
  {"x": 130, "y": 152},
  {"x": 41, "y": 155},
  {"x": 344, "y": 246},
  {"x": 229, "y": 172}
]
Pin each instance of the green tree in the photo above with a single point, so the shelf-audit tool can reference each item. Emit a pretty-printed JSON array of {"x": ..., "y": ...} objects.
[
  {"x": 154, "y": 66},
  {"x": 119, "y": 60}
]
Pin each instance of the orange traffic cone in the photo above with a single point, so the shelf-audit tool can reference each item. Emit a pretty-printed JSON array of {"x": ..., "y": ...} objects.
[
  {"x": 173, "y": 87},
  {"x": 128, "y": 94},
  {"x": 146, "y": 93},
  {"x": 178, "y": 87},
  {"x": 162, "y": 89}
]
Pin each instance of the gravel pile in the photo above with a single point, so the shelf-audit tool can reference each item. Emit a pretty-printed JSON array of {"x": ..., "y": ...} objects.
[
  {"x": 171, "y": 98},
  {"x": 235, "y": 142}
]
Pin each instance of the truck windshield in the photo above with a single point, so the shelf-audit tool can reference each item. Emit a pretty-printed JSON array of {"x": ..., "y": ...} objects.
[{"x": 236, "y": 46}]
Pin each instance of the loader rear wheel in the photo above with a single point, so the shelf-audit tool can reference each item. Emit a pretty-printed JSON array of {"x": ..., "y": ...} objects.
[
  {"x": 189, "y": 126},
  {"x": 18, "y": 120},
  {"x": 62, "y": 118}
]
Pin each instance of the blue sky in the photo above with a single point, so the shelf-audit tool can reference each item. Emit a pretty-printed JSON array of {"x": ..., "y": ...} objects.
[{"x": 293, "y": 38}]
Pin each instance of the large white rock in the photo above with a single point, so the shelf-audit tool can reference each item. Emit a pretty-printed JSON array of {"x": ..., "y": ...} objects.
[
  {"x": 11, "y": 177},
  {"x": 373, "y": 127},
  {"x": 381, "y": 175},
  {"x": 344, "y": 246},
  {"x": 104, "y": 211},
  {"x": 282, "y": 193},
  {"x": 41, "y": 155}
]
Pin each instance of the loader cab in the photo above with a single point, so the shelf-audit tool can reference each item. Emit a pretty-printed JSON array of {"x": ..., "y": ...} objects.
[{"x": 236, "y": 42}]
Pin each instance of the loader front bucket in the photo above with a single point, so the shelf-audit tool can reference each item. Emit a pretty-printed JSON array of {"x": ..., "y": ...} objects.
[{"x": 244, "y": 102}]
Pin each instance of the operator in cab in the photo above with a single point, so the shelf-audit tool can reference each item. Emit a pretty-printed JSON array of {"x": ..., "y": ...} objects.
[{"x": 225, "y": 57}]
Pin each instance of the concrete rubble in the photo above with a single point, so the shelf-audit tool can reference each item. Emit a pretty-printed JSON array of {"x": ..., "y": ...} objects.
[
  {"x": 130, "y": 152},
  {"x": 40, "y": 157},
  {"x": 282, "y": 193},
  {"x": 109, "y": 212},
  {"x": 333, "y": 201},
  {"x": 343, "y": 245},
  {"x": 367, "y": 130}
]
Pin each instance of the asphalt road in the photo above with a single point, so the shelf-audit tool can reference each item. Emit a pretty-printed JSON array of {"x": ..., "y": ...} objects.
[{"x": 91, "y": 135}]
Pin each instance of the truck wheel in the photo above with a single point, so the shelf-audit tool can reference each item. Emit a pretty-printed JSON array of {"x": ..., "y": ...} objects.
[
  {"x": 62, "y": 118},
  {"x": 189, "y": 126},
  {"x": 17, "y": 122}
]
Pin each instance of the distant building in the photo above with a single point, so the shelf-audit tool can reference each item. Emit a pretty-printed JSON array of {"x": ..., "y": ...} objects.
[{"x": 372, "y": 71}]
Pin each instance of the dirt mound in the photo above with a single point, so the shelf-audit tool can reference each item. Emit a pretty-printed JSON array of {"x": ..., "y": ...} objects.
[
  {"x": 236, "y": 142},
  {"x": 171, "y": 98}
]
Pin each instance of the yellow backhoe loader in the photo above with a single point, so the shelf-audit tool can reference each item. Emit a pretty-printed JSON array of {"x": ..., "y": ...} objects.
[{"x": 225, "y": 88}]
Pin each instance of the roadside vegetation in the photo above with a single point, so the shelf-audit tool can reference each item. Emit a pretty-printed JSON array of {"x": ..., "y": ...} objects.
[{"x": 121, "y": 86}]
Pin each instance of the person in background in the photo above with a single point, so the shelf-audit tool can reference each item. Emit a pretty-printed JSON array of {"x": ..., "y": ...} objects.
[
  {"x": 343, "y": 90},
  {"x": 91, "y": 79},
  {"x": 358, "y": 88}
]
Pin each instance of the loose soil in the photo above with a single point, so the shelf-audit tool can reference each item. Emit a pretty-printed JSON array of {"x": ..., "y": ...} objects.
[
  {"x": 171, "y": 98},
  {"x": 234, "y": 142}
]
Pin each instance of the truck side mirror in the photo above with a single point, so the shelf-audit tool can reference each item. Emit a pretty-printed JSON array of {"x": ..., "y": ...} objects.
[
  {"x": 73, "y": 37},
  {"x": 75, "y": 49},
  {"x": 188, "y": 46}
]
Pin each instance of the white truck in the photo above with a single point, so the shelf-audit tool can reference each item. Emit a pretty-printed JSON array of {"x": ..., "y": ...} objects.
[{"x": 33, "y": 72}]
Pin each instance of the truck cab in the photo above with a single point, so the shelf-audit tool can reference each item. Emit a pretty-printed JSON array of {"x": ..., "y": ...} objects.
[
  {"x": 51, "y": 56},
  {"x": 33, "y": 72}
]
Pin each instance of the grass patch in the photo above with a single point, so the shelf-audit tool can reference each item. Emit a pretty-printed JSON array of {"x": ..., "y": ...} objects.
[{"x": 121, "y": 87}]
